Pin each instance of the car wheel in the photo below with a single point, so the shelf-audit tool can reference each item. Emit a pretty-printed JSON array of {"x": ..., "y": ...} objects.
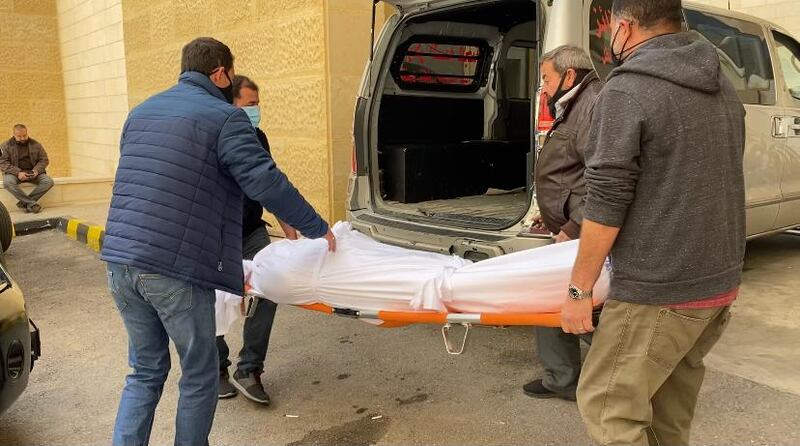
[{"x": 6, "y": 228}]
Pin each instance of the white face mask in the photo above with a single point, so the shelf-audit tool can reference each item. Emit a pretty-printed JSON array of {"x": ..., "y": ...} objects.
[{"x": 254, "y": 113}]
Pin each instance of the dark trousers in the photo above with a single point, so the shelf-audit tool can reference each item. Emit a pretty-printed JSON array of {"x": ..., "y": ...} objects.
[
  {"x": 560, "y": 355},
  {"x": 257, "y": 328}
]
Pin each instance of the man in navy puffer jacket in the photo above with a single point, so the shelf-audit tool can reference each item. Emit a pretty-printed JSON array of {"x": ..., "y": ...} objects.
[{"x": 174, "y": 235}]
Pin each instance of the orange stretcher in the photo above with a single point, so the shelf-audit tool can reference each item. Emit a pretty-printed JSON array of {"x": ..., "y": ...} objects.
[{"x": 394, "y": 319}]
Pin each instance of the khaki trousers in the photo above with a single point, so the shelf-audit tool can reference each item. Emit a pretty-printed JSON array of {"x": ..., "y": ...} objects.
[{"x": 641, "y": 378}]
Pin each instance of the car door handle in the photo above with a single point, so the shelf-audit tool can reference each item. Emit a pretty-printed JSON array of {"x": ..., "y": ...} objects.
[
  {"x": 785, "y": 126},
  {"x": 794, "y": 129}
]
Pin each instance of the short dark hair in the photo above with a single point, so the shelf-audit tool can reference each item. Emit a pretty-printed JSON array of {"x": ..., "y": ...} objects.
[
  {"x": 19, "y": 127},
  {"x": 205, "y": 54},
  {"x": 650, "y": 13},
  {"x": 240, "y": 82}
]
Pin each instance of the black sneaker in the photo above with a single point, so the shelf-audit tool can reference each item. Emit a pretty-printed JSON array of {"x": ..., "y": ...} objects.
[
  {"x": 35, "y": 208},
  {"x": 250, "y": 386},
  {"x": 225, "y": 389},
  {"x": 536, "y": 389},
  {"x": 22, "y": 205}
]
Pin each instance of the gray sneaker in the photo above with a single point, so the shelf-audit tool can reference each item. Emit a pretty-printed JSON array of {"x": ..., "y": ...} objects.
[
  {"x": 250, "y": 386},
  {"x": 225, "y": 389}
]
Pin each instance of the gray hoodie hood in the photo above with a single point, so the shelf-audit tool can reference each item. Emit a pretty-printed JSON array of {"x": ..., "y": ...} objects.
[{"x": 686, "y": 59}]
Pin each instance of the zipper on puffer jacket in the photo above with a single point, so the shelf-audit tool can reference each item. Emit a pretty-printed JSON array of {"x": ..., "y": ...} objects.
[{"x": 221, "y": 245}]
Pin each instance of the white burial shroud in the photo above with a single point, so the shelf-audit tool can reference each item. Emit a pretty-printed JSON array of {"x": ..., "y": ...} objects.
[{"x": 364, "y": 274}]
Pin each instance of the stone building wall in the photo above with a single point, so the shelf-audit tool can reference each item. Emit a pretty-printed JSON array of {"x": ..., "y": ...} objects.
[
  {"x": 31, "y": 83},
  {"x": 93, "y": 59},
  {"x": 280, "y": 44}
]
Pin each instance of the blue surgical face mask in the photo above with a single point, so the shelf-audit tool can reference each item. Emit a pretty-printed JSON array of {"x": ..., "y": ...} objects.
[{"x": 254, "y": 113}]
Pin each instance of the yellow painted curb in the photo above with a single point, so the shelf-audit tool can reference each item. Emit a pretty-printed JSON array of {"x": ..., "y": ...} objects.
[
  {"x": 93, "y": 237},
  {"x": 72, "y": 229}
]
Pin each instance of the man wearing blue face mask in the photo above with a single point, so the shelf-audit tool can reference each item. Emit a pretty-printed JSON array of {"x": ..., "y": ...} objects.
[{"x": 257, "y": 327}]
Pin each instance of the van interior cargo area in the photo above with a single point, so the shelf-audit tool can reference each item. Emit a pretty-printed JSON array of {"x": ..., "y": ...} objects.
[{"x": 454, "y": 135}]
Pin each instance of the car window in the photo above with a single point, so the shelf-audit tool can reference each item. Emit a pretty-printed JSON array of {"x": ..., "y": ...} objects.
[
  {"x": 434, "y": 64},
  {"x": 743, "y": 54},
  {"x": 518, "y": 71},
  {"x": 600, "y": 37},
  {"x": 788, "y": 51}
]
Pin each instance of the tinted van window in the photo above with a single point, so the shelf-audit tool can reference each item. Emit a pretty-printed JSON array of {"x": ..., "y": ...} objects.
[
  {"x": 600, "y": 35},
  {"x": 743, "y": 54},
  {"x": 434, "y": 64}
]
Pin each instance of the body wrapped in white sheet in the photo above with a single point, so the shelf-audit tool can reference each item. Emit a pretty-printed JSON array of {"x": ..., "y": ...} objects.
[{"x": 364, "y": 274}]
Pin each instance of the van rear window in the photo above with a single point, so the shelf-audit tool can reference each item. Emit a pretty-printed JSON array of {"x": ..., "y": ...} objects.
[{"x": 433, "y": 64}]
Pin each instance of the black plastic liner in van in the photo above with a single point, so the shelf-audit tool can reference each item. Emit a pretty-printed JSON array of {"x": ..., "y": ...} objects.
[
  {"x": 411, "y": 119},
  {"x": 413, "y": 173}
]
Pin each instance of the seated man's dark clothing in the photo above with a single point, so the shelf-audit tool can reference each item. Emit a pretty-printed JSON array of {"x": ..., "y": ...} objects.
[{"x": 25, "y": 162}]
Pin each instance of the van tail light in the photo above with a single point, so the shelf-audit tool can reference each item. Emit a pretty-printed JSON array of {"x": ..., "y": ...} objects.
[{"x": 545, "y": 120}]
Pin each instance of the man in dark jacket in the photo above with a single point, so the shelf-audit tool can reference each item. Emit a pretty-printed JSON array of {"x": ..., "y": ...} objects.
[
  {"x": 571, "y": 85},
  {"x": 665, "y": 197},
  {"x": 257, "y": 326},
  {"x": 24, "y": 160},
  {"x": 174, "y": 235}
]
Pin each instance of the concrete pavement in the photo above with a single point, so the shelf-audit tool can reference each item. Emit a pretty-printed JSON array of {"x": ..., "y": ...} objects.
[{"x": 338, "y": 381}]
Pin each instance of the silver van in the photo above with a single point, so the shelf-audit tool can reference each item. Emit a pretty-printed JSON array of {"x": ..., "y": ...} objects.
[{"x": 448, "y": 115}]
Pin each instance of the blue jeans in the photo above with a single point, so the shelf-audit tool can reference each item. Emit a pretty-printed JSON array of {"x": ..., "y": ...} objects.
[
  {"x": 258, "y": 327},
  {"x": 156, "y": 309}
]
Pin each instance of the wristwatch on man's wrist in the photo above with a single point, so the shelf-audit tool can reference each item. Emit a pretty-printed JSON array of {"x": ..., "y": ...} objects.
[{"x": 576, "y": 293}]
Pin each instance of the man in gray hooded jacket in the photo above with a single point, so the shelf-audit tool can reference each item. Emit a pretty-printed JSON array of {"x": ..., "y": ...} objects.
[{"x": 665, "y": 197}]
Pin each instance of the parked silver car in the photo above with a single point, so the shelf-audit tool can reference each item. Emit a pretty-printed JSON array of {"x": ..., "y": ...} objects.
[{"x": 447, "y": 118}]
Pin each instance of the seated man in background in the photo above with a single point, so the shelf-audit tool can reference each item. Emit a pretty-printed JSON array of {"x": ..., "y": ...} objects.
[{"x": 24, "y": 160}]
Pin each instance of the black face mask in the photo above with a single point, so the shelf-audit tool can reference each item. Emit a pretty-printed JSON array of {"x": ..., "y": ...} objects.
[
  {"x": 227, "y": 91},
  {"x": 551, "y": 102},
  {"x": 618, "y": 59}
]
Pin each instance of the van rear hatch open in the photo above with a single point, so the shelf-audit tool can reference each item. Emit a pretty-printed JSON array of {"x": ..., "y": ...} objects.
[{"x": 451, "y": 139}]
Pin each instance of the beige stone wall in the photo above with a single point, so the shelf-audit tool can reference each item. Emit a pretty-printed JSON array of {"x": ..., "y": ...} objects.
[
  {"x": 95, "y": 86},
  {"x": 348, "y": 41},
  {"x": 31, "y": 86},
  {"x": 280, "y": 44},
  {"x": 785, "y": 13}
]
